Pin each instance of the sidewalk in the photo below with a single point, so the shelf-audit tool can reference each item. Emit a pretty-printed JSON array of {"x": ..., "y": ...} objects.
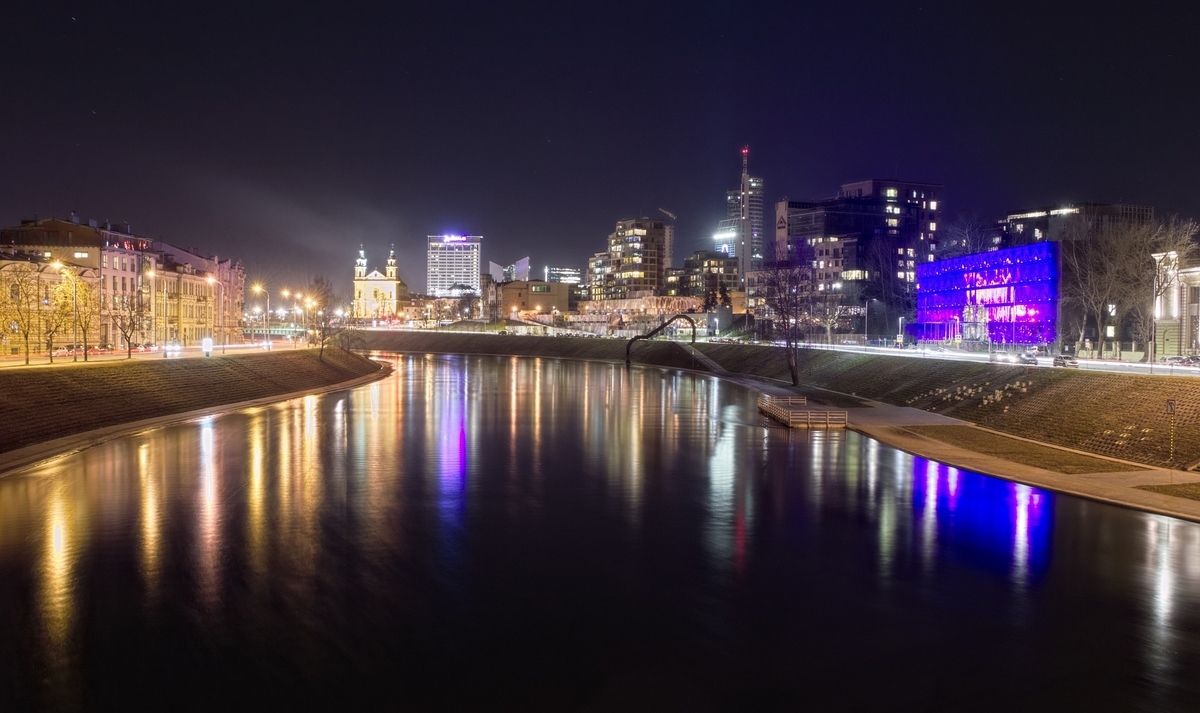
[
  {"x": 1118, "y": 485},
  {"x": 1118, "y": 488}
]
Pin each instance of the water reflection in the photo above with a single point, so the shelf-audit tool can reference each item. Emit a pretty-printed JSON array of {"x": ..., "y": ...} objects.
[{"x": 501, "y": 517}]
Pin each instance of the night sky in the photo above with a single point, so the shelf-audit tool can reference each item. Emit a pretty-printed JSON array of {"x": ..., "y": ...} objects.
[{"x": 287, "y": 134}]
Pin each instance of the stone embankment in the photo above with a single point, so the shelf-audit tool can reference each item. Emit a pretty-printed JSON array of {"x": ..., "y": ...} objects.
[
  {"x": 42, "y": 404},
  {"x": 1115, "y": 415}
]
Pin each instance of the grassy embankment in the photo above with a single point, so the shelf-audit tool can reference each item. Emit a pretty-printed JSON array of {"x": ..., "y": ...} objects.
[
  {"x": 38, "y": 405},
  {"x": 1117, "y": 415}
]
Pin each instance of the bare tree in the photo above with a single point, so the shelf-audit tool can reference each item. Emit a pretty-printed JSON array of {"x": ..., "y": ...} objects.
[
  {"x": 58, "y": 315},
  {"x": 467, "y": 304},
  {"x": 128, "y": 316},
  {"x": 965, "y": 235},
  {"x": 323, "y": 321},
  {"x": 887, "y": 267},
  {"x": 19, "y": 300},
  {"x": 1118, "y": 270},
  {"x": 1090, "y": 278},
  {"x": 1164, "y": 246},
  {"x": 784, "y": 289},
  {"x": 830, "y": 307},
  {"x": 86, "y": 299}
]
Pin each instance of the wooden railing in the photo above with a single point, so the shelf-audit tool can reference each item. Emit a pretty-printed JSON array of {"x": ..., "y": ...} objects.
[{"x": 784, "y": 410}]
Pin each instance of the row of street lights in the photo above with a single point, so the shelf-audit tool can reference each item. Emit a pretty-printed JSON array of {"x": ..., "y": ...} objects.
[{"x": 299, "y": 305}]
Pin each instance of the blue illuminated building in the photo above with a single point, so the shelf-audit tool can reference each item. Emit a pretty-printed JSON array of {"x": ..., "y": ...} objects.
[{"x": 1003, "y": 297}]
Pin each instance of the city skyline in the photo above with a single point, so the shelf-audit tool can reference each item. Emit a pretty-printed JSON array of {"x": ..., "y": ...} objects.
[{"x": 522, "y": 140}]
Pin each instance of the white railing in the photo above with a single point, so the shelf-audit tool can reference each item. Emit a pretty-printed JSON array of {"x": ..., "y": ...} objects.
[{"x": 784, "y": 410}]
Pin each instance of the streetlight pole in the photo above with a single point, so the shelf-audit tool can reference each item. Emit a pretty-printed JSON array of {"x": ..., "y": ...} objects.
[
  {"x": 259, "y": 289},
  {"x": 221, "y": 312}
]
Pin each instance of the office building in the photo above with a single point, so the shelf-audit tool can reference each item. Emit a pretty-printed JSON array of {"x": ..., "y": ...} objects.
[
  {"x": 704, "y": 273},
  {"x": 519, "y": 270},
  {"x": 569, "y": 275},
  {"x": 745, "y": 206},
  {"x": 453, "y": 265},
  {"x": 634, "y": 264},
  {"x": 872, "y": 232},
  {"x": 1050, "y": 223}
]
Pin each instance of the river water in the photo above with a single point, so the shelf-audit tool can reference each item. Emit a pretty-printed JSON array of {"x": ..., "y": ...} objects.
[{"x": 493, "y": 533}]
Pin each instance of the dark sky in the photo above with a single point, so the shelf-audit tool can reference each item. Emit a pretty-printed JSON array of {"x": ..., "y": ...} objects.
[{"x": 286, "y": 134}]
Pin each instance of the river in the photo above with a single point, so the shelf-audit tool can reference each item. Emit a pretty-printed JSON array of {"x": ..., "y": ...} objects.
[{"x": 495, "y": 533}]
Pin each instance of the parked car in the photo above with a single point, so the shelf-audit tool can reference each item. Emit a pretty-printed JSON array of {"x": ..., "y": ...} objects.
[
  {"x": 100, "y": 349},
  {"x": 1174, "y": 360},
  {"x": 1027, "y": 358},
  {"x": 65, "y": 350},
  {"x": 1066, "y": 360}
]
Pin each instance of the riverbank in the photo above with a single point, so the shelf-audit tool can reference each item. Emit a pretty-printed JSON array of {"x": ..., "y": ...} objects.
[
  {"x": 43, "y": 409},
  {"x": 1096, "y": 435}
]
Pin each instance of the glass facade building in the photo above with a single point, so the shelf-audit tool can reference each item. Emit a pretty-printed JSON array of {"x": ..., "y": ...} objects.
[{"x": 1003, "y": 297}]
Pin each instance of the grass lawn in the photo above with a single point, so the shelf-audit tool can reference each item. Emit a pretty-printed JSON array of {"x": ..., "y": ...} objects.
[
  {"x": 1018, "y": 451},
  {"x": 1179, "y": 490}
]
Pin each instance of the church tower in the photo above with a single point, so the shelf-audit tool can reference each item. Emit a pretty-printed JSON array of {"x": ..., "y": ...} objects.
[
  {"x": 391, "y": 264},
  {"x": 360, "y": 265}
]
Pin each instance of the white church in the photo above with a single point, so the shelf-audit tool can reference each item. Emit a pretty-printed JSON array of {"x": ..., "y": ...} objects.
[{"x": 378, "y": 295}]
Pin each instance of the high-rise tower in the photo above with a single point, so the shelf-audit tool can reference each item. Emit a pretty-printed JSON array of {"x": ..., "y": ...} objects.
[{"x": 745, "y": 205}]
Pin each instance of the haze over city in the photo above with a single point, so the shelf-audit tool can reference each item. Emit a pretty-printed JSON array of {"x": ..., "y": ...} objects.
[{"x": 287, "y": 134}]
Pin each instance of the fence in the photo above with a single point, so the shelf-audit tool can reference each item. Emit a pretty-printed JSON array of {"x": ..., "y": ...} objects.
[{"x": 784, "y": 410}]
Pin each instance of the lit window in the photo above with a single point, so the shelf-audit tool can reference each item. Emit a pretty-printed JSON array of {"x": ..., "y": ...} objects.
[
  {"x": 932, "y": 205},
  {"x": 81, "y": 255},
  {"x": 932, "y": 227},
  {"x": 893, "y": 222},
  {"x": 891, "y": 192},
  {"x": 900, "y": 275}
]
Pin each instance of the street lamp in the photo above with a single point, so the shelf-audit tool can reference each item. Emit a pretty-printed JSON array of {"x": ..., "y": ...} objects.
[
  {"x": 259, "y": 289},
  {"x": 221, "y": 313},
  {"x": 153, "y": 306},
  {"x": 867, "y": 321}
]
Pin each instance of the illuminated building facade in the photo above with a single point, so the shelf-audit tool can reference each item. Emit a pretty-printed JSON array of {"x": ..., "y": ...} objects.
[
  {"x": 173, "y": 294},
  {"x": 453, "y": 265},
  {"x": 376, "y": 295},
  {"x": 703, "y": 273},
  {"x": 537, "y": 297},
  {"x": 1002, "y": 297},
  {"x": 744, "y": 209},
  {"x": 635, "y": 262},
  {"x": 1042, "y": 224}
]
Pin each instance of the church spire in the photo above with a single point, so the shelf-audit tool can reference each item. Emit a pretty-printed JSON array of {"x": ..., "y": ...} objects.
[
  {"x": 360, "y": 265},
  {"x": 391, "y": 264}
]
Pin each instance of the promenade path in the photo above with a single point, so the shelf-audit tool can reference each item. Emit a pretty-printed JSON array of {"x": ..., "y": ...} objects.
[{"x": 1074, "y": 472}]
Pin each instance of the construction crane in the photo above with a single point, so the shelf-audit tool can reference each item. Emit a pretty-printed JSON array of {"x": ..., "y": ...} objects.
[{"x": 667, "y": 212}]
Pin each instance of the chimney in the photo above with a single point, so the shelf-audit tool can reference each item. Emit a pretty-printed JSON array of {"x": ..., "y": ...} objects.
[{"x": 74, "y": 218}]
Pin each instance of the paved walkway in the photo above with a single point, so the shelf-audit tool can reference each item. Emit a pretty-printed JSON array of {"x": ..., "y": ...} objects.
[
  {"x": 888, "y": 424},
  {"x": 1118, "y": 488}
]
